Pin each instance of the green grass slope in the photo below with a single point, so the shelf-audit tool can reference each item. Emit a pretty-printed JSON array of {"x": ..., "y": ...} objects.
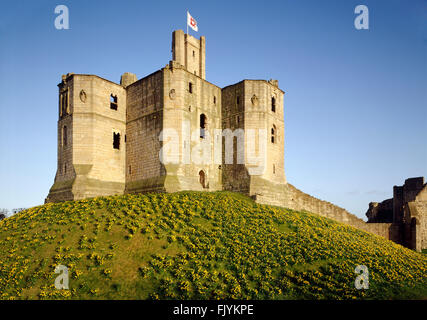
[{"x": 192, "y": 245}]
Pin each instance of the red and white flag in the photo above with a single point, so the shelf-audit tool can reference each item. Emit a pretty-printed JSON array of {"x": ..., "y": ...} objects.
[{"x": 191, "y": 22}]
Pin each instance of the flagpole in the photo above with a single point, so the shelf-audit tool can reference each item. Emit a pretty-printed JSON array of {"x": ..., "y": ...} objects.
[{"x": 187, "y": 21}]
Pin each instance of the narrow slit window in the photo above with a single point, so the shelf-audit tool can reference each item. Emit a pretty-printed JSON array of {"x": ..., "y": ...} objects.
[
  {"x": 64, "y": 136},
  {"x": 214, "y": 99},
  {"x": 190, "y": 87},
  {"x": 238, "y": 100},
  {"x": 63, "y": 99},
  {"x": 113, "y": 102},
  {"x": 62, "y": 104},
  {"x": 273, "y": 134},
  {"x": 116, "y": 141},
  {"x": 273, "y": 104},
  {"x": 202, "y": 126},
  {"x": 66, "y": 102}
]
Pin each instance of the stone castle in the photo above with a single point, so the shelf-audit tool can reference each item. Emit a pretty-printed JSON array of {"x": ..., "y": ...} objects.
[{"x": 109, "y": 136}]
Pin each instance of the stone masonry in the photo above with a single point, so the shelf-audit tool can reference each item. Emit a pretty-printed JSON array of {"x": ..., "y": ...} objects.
[
  {"x": 406, "y": 212},
  {"x": 110, "y": 137}
]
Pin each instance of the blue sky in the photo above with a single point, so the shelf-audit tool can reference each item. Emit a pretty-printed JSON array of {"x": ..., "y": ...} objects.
[{"x": 355, "y": 102}]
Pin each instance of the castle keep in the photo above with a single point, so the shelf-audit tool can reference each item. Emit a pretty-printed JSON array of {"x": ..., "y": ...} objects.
[
  {"x": 108, "y": 133},
  {"x": 110, "y": 136}
]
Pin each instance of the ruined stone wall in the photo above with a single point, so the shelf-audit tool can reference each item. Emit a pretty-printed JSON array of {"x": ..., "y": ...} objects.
[
  {"x": 298, "y": 200},
  {"x": 144, "y": 118},
  {"x": 380, "y": 212},
  {"x": 409, "y": 211},
  {"x": 418, "y": 213}
]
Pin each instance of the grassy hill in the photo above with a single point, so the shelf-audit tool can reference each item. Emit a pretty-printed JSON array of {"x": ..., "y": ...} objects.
[{"x": 194, "y": 245}]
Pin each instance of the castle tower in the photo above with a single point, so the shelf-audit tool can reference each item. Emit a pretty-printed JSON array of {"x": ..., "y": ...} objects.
[
  {"x": 91, "y": 138},
  {"x": 177, "y": 99},
  {"x": 257, "y": 107},
  {"x": 189, "y": 52}
]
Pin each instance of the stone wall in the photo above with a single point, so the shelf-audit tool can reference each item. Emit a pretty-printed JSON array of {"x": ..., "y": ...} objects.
[
  {"x": 408, "y": 210},
  {"x": 235, "y": 176},
  {"x": 295, "y": 199},
  {"x": 380, "y": 212},
  {"x": 144, "y": 118}
]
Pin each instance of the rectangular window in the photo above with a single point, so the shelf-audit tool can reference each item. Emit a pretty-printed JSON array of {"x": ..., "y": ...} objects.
[
  {"x": 190, "y": 87},
  {"x": 113, "y": 102},
  {"x": 116, "y": 141}
]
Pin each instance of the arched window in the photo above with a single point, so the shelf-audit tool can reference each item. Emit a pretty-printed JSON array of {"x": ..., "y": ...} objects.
[
  {"x": 202, "y": 178},
  {"x": 273, "y": 134},
  {"x": 203, "y": 121},
  {"x": 273, "y": 104},
  {"x": 64, "y": 136}
]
